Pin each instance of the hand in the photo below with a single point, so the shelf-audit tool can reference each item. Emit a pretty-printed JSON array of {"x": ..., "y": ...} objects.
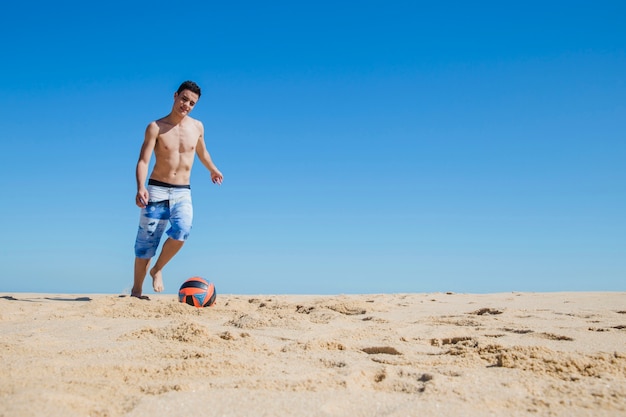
[
  {"x": 142, "y": 198},
  {"x": 217, "y": 177}
]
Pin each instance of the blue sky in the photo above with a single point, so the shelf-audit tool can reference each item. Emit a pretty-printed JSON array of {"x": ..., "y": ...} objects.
[{"x": 372, "y": 146}]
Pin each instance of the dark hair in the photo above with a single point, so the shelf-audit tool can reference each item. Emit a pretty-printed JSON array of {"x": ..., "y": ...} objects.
[{"x": 191, "y": 86}]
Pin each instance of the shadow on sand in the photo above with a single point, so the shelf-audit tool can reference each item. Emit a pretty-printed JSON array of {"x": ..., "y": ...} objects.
[{"x": 11, "y": 298}]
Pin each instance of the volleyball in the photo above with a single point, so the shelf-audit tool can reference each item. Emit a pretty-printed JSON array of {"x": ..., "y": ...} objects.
[{"x": 197, "y": 292}]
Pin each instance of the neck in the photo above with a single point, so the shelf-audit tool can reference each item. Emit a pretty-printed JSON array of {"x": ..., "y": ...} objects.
[{"x": 174, "y": 118}]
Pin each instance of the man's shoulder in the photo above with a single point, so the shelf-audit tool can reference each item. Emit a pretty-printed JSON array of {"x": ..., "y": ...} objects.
[
  {"x": 195, "y": 122},
  {"x": 153, "y": 128},
  {"x": 164, "y": 124},
  {"x": 163, "y": 121}
]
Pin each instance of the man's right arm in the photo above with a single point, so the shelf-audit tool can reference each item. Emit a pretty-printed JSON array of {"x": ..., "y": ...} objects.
[{"x": 141, "y": 173}]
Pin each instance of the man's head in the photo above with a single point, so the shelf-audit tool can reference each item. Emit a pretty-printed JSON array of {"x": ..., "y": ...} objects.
[
  {"x": 186, "y": 98},
  {"x": 191, "y": 86}
]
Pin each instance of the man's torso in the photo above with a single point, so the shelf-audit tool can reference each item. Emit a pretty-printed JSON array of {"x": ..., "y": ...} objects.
[{"x": 175, "y": 151}]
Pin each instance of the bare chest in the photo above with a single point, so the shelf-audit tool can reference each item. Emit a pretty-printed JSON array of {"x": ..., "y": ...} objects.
[{"x": 182, "y": 139}]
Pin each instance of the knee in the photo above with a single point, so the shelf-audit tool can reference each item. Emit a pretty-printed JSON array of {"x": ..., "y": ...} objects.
[{"x": 179, "y": 233}]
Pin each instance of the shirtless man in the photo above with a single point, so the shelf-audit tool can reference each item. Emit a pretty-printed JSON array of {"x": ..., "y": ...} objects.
[{"x": 175, "y": 140}]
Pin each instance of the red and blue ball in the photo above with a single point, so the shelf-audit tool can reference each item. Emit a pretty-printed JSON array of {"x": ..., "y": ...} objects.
[{"x": 197, "y": 292}]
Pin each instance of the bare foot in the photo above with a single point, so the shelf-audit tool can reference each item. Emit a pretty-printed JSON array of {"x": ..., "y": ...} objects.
[
  {"x": 141, "y": 297},
  {"x": 157, "y": 280}
]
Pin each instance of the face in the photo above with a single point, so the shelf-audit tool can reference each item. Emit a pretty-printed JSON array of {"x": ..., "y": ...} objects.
[{"x": 184, "y": 102}]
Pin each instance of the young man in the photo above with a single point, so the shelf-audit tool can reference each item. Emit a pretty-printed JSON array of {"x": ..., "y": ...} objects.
[{"x": 175, "y": 140}]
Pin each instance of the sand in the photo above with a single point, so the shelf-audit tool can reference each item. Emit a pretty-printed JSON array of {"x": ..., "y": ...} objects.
[{"x": 443, "y": 354}]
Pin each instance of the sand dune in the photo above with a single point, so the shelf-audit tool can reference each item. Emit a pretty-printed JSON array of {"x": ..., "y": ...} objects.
[{"x": 513, "y": 354}]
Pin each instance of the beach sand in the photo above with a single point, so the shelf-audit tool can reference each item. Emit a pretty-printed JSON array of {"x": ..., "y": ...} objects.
[{"x": 438, "y": 354}]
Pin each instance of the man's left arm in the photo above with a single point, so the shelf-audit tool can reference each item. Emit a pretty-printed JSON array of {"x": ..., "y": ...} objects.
[{"x": 205, "y": 158}]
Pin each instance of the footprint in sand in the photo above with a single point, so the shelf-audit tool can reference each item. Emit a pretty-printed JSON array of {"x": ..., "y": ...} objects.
[
  {"x": 348, "y": 309},
  {"x": 553, "y": 336},
  {"x": 300, "y": 309},
  {"x": 464, "y": 340},
  {"x": 486, "y": 310},
  {"x": 518, "y": 331},
  {"x": 402, "y": 381},
  {"x": 245, "y": 321},
  {"x": 387, "y": 350}
]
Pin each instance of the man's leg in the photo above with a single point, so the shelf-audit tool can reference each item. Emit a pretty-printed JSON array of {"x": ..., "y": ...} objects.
[
  {"x": 181, "y": 215},
  {"x": 153, "y": 220},
  {"x": 141, "y": 270},
  {"x": 170, "y": 248}
]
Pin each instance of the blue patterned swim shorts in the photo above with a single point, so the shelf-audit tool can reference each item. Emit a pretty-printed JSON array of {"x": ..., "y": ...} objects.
[{"x": 167, "y": 203}]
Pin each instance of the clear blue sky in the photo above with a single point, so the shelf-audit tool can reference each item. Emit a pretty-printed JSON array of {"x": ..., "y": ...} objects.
[{"x": 367, "y": 146}]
